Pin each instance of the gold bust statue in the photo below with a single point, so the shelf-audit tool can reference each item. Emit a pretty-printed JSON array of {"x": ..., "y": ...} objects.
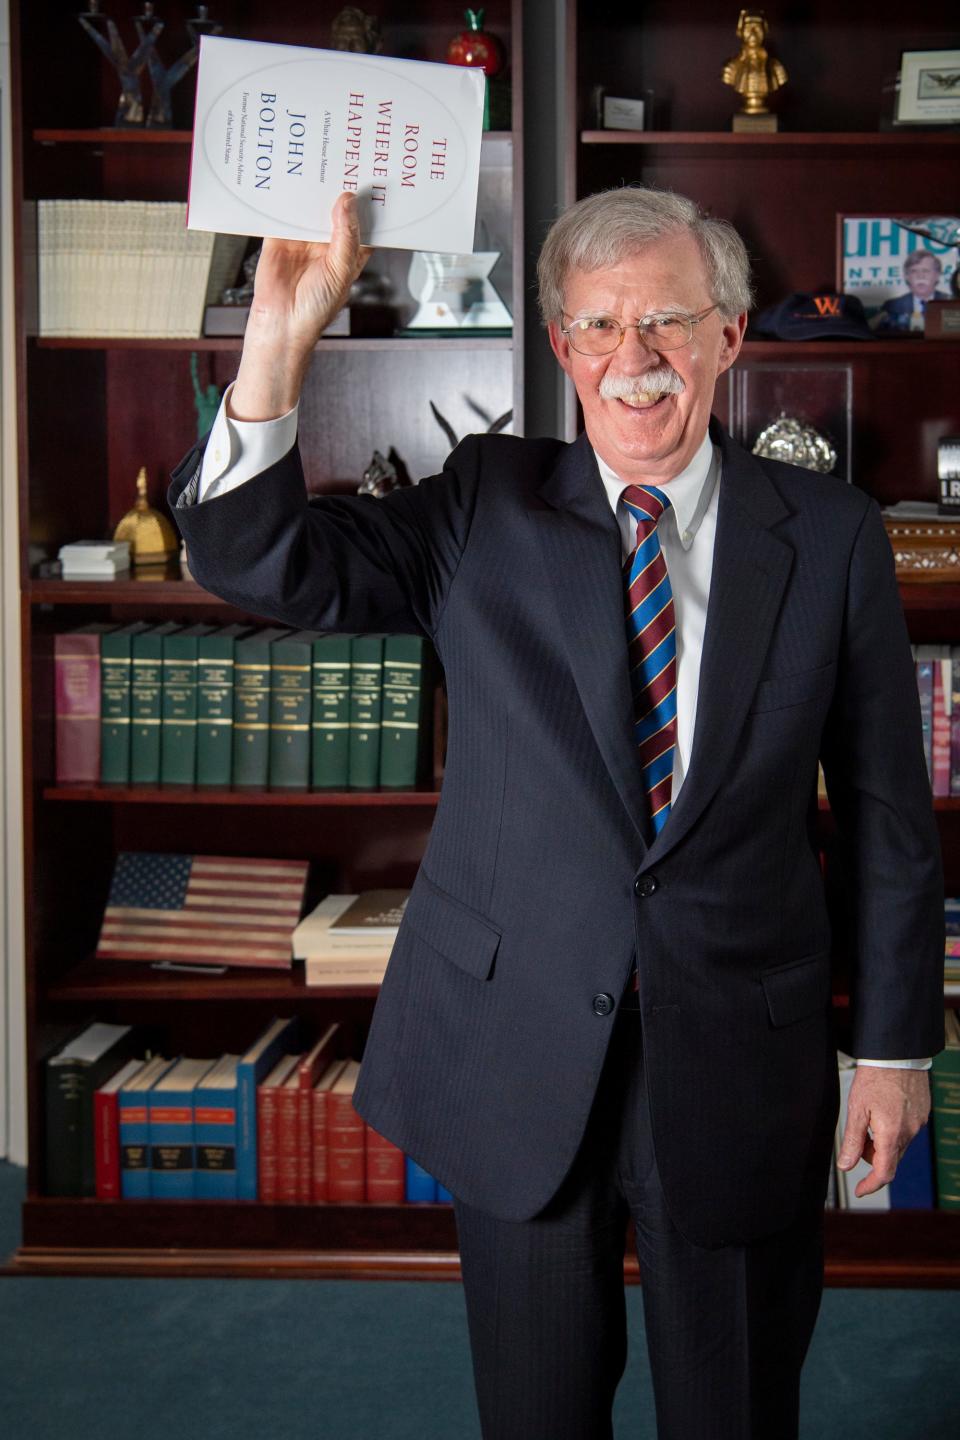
[{"x": 753, "y": 73}]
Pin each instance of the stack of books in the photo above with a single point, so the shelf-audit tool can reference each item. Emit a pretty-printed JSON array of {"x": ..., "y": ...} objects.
[
  {"x": 270, "y": 708},
  {"x": 128, "y": 268},
  {"x": 347, "y": 939},
  {"x": 94, "y": 559},
  {"x": 951, "y": 967}
]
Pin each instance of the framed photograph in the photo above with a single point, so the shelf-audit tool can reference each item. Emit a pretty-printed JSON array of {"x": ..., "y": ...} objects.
[
  {"x": 929, "y": 88},
  {"x": 893, "y": 272}
]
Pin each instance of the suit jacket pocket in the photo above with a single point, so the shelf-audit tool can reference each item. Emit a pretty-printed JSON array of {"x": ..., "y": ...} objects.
[
  {"x": 781, "y": 691},
  {"x": 452, "y": 928},
  {"x": 798, "y": 989}
]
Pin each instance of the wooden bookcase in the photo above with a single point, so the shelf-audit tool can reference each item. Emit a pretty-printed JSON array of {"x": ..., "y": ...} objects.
[
  {"x": 91, "y": 412},
  {"x": 783, "y": 192}
]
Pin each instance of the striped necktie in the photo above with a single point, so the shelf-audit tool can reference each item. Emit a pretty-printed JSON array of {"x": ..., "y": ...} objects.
[{"x": 652, "y": 650}]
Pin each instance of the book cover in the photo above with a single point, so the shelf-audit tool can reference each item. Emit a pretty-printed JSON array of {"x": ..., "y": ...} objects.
[
  {"x": 419, "y": 1184},
  {"x": 268, "y": 1127},
  {"x": 76, "y": 662},
  {"x": 346, "y": 1140},
  {"x": 942, "y": 707},
  {"x": 106, "y": 1131},
  {"x": 280, "y": 130},
  {"x": 366, "y": 706},
  {"x": 319, "y": 1107},
  {"x": 116, "y": 663},
  {"x": 406, "y": 739},
  {"x": 288, "y": 1138},
  {"x": 385, "y": 1182},
  {"x": 134, "y": 1122},
  {"x": 251, "y": 706},
  {"x": 215, "y": 1131},
  {"x": 178, "y": 730},
  {"x": 374, "y": 913},
  {"x": 215, "y": 705},
  {"x": 330, "y": 722},
  {"x": 291, "y": 659},
  {"x": 955, "y": 720},
  {"x": 912, "y": 1186},
  {"x": 945, "y": 1115},
  {"x": 310, "y": 1071},
  {"x": 925, "y": 657},
  {"x": 146, "y": 694},
  {"x": 279, "y": 1038},
  {"x": 170, "y": 1102},
  {"x": 73, "y": 1074}
]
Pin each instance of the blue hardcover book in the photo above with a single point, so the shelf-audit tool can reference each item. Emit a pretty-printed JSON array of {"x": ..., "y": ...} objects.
[
  {"x": 215, "y": 1132},
  {"x": 280, "y": 1038},
  {"x": 912, "y": 1186},
  {"x": 926, "y": 655},
  {"x": 443, "y": 1194},
  {"x": 171, "y": 1130},
  {"x": 419, "y": 1184},
  {"x": 134, "y": 1125}
]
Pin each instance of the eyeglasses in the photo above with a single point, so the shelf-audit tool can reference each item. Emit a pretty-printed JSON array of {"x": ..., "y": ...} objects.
[{"x": 602, "y": 334}]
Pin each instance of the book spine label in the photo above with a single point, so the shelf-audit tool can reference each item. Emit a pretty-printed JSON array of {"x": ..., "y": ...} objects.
[
  {"x": 215, "y": 1137},
  {"x": 145, "y": 718},
  {"x": 330, "y": 725},
  {"x": 115, "y": 666},
  {"x": 402, "y": 725},
  {"x": 290, "y": 696},
  {"x": 77, "y": 702},
  {"x": 134, "y": 1148},
  {"x": 178, "y": 733},
  {"x": 366, "y": 706},
  {"x": 251, "y": 721},
  {"x": 214, "y": 719}
]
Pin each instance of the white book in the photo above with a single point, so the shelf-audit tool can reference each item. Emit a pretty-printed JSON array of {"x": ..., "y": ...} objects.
[{"x": 280, "y": 130}]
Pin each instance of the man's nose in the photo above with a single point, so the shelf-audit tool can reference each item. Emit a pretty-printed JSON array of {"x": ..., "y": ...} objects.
[{"x": 637, "y": 345}]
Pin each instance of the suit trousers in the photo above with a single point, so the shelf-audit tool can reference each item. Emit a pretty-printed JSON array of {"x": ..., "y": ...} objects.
[{"x": 727, "y": 1329}]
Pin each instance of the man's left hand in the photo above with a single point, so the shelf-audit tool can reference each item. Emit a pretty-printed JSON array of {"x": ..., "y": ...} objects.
[{"x": 894, "y": 1104}]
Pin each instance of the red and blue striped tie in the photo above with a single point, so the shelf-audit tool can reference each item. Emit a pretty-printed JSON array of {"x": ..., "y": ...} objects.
[{"x": 652, "y": 650}]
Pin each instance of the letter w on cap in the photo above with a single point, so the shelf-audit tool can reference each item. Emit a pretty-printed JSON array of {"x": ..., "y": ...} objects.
[{"x": 827, "y": 304}]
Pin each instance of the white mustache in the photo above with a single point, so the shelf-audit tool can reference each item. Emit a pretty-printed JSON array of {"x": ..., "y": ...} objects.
[{"x": 662, "y": 381}]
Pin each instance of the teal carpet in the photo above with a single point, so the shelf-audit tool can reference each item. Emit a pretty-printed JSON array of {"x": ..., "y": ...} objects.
[{"x": 353, "y": 1360}]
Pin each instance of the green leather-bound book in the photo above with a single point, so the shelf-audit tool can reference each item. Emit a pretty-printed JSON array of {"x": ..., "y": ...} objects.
[
  {"x": 116, "y": 655},
  {"x": 407, "y": 711},
  {"x": 215, "y": 705},
  {"x": 366, "y": 703},
  {"x": 290, "y": 695},
  {"x": 178, "y": 733},
  {"x": 146, "y": 691},
  {"x": 330, "y": 722},
  {"x": 251, "y": 706},
  {"x": 945, "y": 1117}
]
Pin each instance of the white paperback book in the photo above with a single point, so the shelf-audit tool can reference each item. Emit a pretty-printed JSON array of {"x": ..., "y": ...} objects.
[{"x": 281, "y": 130}]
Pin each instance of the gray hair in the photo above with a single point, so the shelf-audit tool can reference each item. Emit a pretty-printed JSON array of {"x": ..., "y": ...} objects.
[{"x": 600, "y": 230}]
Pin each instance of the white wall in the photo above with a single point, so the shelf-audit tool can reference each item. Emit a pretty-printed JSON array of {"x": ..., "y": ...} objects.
[{"x": 13, "y": 1132}]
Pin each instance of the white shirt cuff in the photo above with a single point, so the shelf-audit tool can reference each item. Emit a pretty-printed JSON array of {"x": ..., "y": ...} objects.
[
  {"x": 898, "y": 1064},
  {"x": 240, "y": 449}
]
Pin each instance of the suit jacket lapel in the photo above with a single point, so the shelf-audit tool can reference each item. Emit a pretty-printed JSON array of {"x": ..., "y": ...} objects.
[
  {"x": 750, "y": 571},
  {"x": 582, "y": 550}
]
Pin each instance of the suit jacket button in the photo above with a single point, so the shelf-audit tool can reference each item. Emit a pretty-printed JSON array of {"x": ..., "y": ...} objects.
[
  {"x": 602, "y": 1004},
  {"x": 645, "y": 885}
]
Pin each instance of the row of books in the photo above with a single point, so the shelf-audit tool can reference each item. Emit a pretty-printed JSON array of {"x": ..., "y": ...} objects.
[
  {"x": 938, "y": 681},
  {"x": 128, "y": 268},
  {"x": 147, "y": 704},
  {"x": 271, "y": 1125},
  {"x": 928, "y": 1174}
]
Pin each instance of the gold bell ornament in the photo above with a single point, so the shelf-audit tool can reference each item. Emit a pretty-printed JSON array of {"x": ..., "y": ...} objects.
[{"x": 152, "y": 538}]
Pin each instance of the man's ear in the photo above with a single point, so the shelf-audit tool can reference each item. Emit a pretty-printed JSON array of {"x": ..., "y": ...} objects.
[
  {"x": 732, "y": 338},
  {"x": 559, "y": 345}
]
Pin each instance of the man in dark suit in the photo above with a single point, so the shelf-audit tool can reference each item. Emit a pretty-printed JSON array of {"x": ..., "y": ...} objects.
[
  {"x": 921, "y": 274},
  {"x": 610, "y": 995}
]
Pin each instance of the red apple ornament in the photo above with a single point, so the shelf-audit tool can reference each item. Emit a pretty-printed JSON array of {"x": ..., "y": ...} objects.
[{"x": 475, "y": 47}]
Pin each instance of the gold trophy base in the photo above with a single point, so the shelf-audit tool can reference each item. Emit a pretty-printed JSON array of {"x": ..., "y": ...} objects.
[{"x": 755, "y": 124}]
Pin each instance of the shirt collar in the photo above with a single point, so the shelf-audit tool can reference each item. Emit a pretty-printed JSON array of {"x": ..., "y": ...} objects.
[{"x": 689, "y": 491}]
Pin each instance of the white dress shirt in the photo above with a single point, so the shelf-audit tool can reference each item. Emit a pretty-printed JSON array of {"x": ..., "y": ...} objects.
[{"x": 239, "y": 449}]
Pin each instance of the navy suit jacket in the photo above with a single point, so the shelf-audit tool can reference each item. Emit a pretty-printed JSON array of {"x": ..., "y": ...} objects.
[{"x": 486, "y": 1047}]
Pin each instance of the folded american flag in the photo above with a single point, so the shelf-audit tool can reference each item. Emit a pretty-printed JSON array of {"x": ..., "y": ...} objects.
[{"x": 202, "y": 910}]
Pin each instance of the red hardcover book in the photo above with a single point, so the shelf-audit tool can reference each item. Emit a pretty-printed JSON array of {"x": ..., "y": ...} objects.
[
  {"x": 267, "y": 1128},
  {"x": 319, "y": 1101},
  {"x": 346, "y": 1140},
  {"x": 942, "y": 704},
  {"x": 106, "y": 1131},
  {"x": 313, "y": 1065},
  {"x": 288, "y": 1139},
  {"x": 76, "y": 663},
  {"x": 385, "y": 1170}
]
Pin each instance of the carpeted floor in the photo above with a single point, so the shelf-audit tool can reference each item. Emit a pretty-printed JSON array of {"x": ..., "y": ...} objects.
[{"x": 346, "y": 1360}]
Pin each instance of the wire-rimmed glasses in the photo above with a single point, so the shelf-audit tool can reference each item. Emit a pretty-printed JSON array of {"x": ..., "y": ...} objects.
[{"x": 602, "y": 334}]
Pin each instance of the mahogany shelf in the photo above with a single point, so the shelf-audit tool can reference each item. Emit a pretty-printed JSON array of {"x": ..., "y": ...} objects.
[
  {"x": 847, "y": 349},
  {"x": 123, "y": 591},
  {"x": 356, "y": 343},
  {"x": 92, "y": 981},
  {"x": 779, "y": 140},
  {"x": 425, "y": 794},
  {"x": 904, "y": 1248}
]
